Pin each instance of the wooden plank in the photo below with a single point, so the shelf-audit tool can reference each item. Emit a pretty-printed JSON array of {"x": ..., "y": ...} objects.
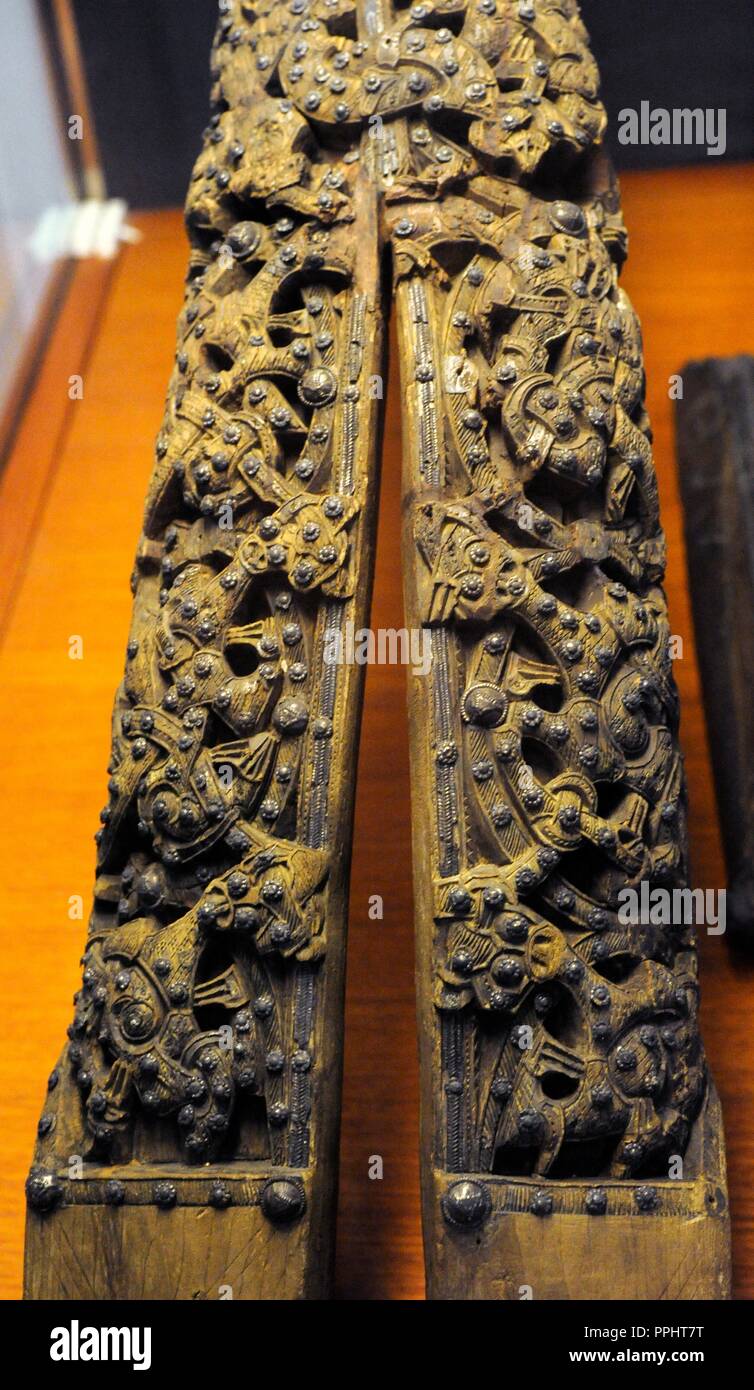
[
  {"x": 681, "y": 1252},
  {"x": 138, "y": 1252}
]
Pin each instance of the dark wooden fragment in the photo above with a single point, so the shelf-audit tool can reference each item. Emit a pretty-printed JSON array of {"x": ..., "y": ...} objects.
[{"x": 715, "y": 441}]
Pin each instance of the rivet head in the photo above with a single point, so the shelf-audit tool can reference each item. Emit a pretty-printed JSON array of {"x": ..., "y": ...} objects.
[
  {"x": 484, "y": 705},
  {"x": 318, "y": 386},
  {"x": 291, "y": 716},
  {"x": 220, "y": 1195},
  {"x": 567, "y": 217},
  {"x": 404, "y": 227},
  {"x": 466, "y": 1204},
  {"x": 596, "y": 1201},
  {"x": 115, "y": 1192},
  {"x": 541, "y": 1203},
  {"x": 646, "y": 1198},
  {"x": 164, "y": 1195},
  {"x": 43, "y": 1190},
  {"x": 283, "y": 1200}
]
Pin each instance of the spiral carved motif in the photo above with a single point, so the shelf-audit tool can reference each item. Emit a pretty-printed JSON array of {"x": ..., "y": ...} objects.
[{"x": 466, "y": 137}]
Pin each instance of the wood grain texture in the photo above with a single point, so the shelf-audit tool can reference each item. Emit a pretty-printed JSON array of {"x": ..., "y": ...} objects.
[
  {"x": 206, "y": 1254},
  {"x": 681, "y": 1252},
  {"x": 715, "y": 434},
  {"x": 76, "y": 581}
]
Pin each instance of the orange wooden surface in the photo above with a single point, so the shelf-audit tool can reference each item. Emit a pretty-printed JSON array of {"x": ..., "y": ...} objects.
[
  {"x": 691, "y": 275},
  {"x": 39, "y": 437}
]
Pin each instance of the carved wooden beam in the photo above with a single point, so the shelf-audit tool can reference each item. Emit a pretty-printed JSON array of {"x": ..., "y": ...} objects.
[
  {"x": 202, "y": 1075},
  {"x": 571, "y": 1136},
  {"x": 715, "y": 428},
  {"x": 572, "y": 1145}
]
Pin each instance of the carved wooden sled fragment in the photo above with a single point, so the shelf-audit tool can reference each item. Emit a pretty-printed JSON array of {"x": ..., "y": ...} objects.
[
  {"x": 202, "y": 1075},
  {"x": 563, "y": 1075},
  {"x": 571, "y": 1134}
]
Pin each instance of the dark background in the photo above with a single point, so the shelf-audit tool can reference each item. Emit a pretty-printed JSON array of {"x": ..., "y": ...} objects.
[{"x": 148, "y": 71}]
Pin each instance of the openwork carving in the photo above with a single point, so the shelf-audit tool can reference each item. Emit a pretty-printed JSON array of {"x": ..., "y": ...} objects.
[
  {"x": 565, "y": 1043},
  {"x": 202, "y": 1032},
  {"x": 561, "y": 1057},
  {"x": 559, "y": 780}
]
